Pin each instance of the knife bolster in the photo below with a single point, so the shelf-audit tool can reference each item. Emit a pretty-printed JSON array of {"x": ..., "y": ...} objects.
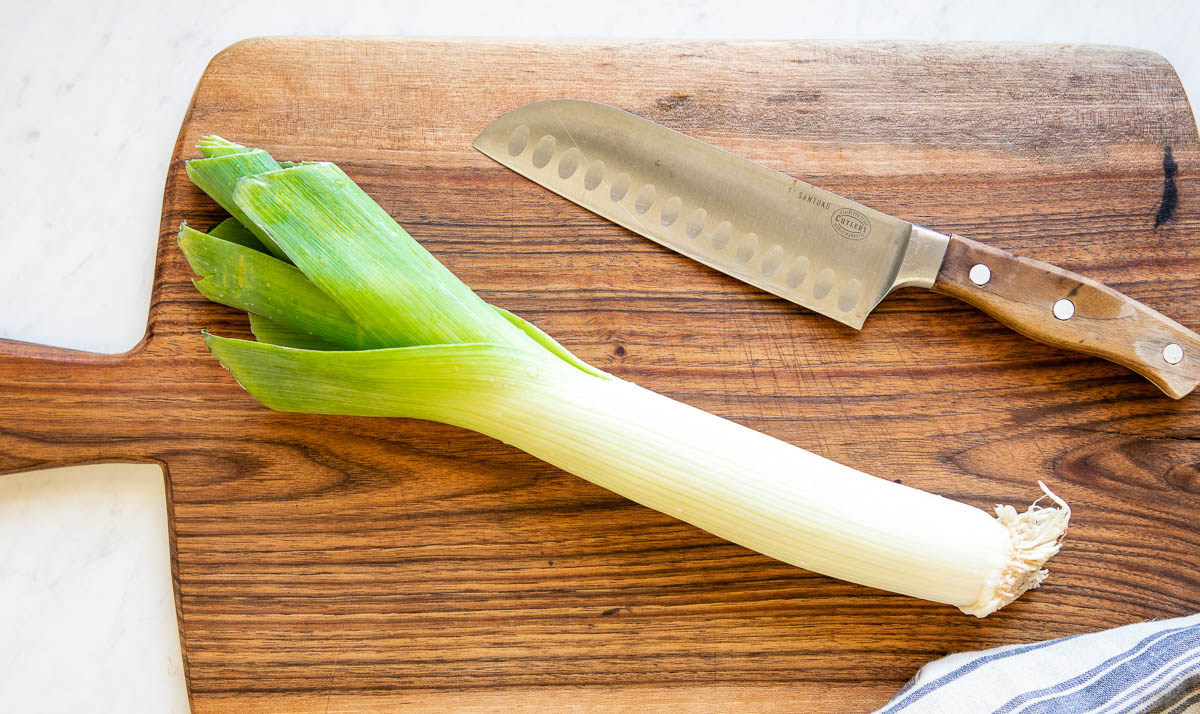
[
  {"x": 923, "y": 256},
  {"x": 1063, "y": 309}
]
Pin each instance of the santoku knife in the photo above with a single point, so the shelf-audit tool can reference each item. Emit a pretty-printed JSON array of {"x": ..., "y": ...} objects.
[{"x": 813, "y": 247}]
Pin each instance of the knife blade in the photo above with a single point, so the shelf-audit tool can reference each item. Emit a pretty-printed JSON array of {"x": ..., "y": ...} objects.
[{"x": 814, "y": 247}]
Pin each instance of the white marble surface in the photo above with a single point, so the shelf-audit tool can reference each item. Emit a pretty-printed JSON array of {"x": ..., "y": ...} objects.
[
  {"x": 87, "y": 614},
  {"x": 93, "y": 96}
]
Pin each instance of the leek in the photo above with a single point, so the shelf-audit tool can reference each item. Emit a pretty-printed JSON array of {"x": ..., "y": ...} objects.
[{"x": 368, "y": 323}]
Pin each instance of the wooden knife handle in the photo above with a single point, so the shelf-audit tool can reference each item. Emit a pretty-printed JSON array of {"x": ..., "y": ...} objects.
[{"x": 1060, "y": 308}]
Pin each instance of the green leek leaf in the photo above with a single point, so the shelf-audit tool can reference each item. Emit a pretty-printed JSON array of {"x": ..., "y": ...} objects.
[
  {"x": 218, "y": 176},
  {"x": 244, "y": 278},
  {"x": 258, "y": 283},
  {"x": 213, "y": 146},
  {"x": 351, "y": 249},
  {"x": 232, "y": 230},
  {"x": 275, "y": 333}
]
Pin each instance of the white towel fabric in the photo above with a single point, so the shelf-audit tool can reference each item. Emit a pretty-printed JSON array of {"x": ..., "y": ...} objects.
[{"x": 1144, "y": 668}]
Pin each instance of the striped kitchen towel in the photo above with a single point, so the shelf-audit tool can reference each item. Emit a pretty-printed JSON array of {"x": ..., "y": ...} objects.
[{"x": 1147, "y": 667}]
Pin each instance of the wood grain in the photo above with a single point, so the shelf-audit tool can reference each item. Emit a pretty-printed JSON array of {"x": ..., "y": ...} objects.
[
  {"x": 1026, "y": 294},
  {"x": 349, "y": 564}
]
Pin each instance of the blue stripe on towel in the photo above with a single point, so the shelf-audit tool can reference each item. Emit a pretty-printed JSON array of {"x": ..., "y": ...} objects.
[
  {"x": 966, "y": 669},
  {"x": 1111, "y": 677},
  {"x": 1185, "y": 667}
]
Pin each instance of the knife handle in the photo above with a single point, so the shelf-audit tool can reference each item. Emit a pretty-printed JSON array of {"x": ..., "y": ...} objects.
[{"x": 1067, "y": 310}]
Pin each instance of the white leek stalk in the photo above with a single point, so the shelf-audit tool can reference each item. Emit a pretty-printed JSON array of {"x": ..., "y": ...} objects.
[{"x": 733, "y": 482}]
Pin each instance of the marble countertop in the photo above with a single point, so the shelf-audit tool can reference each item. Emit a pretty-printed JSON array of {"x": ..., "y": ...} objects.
[{"x": 94, "y": 95}]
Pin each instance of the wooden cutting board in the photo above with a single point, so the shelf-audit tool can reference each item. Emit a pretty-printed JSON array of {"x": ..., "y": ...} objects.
[{"x": 347, "y": 564}]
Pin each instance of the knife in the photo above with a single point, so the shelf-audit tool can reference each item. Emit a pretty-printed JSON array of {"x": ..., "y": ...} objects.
[{"x": 813, "y": 247}]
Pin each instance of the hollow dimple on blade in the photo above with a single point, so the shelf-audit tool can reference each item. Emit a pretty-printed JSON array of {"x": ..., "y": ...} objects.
[{"x": 778, "y": 233}]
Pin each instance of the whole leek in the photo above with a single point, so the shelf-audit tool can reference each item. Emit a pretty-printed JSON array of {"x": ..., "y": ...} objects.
[{"x": 368, "y": 323}]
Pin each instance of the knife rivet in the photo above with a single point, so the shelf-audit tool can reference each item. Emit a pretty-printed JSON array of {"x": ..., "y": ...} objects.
[
  {"x": 980, "y": 274},
  {"x": 1173, "y": 354},
  {"x": 1064, "y": 309}
]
